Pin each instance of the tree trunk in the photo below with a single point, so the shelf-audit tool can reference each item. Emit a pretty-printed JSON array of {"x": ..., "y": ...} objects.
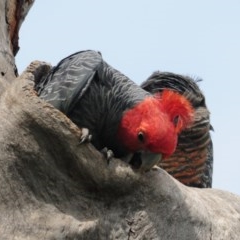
[
  {"x": 52, "y": 187},
  {"x": 12, "y": 14}
]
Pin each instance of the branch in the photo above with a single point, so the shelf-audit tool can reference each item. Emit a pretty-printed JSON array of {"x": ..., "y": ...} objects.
[{"x": 54, "y": 188}]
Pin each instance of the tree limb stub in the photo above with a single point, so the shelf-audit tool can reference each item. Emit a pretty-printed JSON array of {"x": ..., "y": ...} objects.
[{"x": 54, "y": 188}]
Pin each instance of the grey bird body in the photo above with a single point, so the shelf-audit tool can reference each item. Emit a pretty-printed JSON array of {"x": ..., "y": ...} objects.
[{"x": 93, "y": 95}]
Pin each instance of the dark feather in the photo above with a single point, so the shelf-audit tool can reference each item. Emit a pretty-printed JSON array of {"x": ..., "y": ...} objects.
[{"x": 93, "y": 95}]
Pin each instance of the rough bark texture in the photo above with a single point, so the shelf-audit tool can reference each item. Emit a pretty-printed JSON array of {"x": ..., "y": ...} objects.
[
  {"x": 12, "y": 14},
  {"x": 54, "y": 188}
]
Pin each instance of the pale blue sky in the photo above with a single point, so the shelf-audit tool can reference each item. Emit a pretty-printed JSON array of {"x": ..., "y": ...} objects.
[{"x": 197, "y": 38}]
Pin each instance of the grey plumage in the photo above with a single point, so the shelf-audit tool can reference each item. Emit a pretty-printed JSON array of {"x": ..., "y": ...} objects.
[{"x": 93, "y": 95}]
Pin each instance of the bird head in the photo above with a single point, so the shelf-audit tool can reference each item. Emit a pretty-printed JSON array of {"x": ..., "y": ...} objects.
[{"x": 153, "y": 125}]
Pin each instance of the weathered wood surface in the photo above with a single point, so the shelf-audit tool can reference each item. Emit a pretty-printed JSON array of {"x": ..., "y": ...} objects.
[{"x": 12, "y": 14}]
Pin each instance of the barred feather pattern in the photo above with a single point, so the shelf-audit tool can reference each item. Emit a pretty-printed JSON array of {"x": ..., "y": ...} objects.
[
  {"x": 67, "y": 82},
  {"x": 192, "y": 162}
]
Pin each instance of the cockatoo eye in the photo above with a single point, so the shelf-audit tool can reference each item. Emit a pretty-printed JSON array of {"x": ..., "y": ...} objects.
[
  {"x": 176, "y": 120},
  {"x": 141, "y": 137}
]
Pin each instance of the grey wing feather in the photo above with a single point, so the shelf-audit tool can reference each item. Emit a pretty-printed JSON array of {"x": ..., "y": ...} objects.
[{"x": 68, "y": 81}]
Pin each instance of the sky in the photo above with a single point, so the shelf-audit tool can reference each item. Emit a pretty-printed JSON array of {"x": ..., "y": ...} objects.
[{"x": 196, "y": 38}]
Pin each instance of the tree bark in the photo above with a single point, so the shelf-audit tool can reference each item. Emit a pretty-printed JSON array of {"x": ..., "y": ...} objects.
[
  {"x": 52, "y": 187},
  {"x": 12, "y": 14}
]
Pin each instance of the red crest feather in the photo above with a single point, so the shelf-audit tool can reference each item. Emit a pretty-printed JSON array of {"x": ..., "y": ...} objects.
[{"x": 178, "y": 107}]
